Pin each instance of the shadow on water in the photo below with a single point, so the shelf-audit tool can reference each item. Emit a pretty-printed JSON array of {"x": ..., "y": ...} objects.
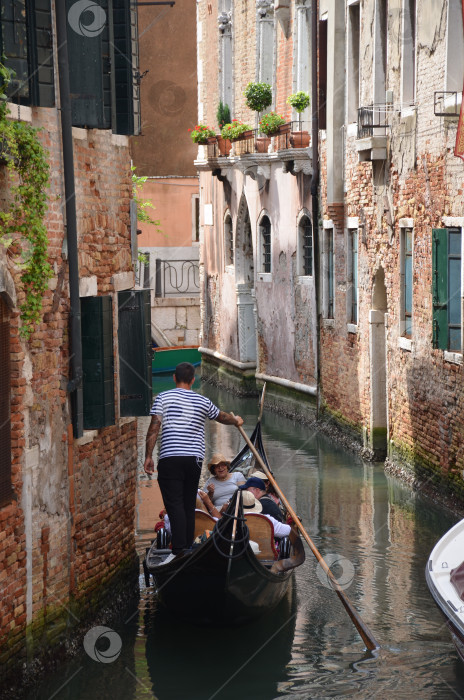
[{"x": 225, "y": 663}]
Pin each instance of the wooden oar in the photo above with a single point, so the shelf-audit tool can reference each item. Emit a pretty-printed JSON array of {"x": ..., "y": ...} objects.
[{"x": 366, "y": 635}]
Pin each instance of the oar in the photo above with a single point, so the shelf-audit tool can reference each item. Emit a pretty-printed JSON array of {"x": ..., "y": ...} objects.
[{"x": 366, "y": 635}]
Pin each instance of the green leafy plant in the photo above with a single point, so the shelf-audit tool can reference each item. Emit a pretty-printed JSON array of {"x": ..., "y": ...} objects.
[
  {"x": 258, "y": 96},
  {"x": 142, "y": 204},
  {"x": 22, "y": 229},
  {"x": 299, "y": 101},
  {"x": 200, "y": 133},
  {"x": 270, "y": 122},
  {"x": 234, "y": 130},
  {"x": 223, "y": 115}
]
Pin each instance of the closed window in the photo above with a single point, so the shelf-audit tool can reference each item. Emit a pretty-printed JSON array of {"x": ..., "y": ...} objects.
[
  {"x": 353, "y": 275},
  {"x": 406, "y": 262},
  {"x": 328, "y": 273},
  {"x": 228, "y": 240},
  {"x": 408, "y": 48},
  {"x": 446, "y": 287}
]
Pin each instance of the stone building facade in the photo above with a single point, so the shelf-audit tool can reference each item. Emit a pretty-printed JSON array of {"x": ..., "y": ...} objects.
[
  {"x": 375, "y": 331},
  {"x": 257, "y": 290},
  {"x": 67, "y": 492}
]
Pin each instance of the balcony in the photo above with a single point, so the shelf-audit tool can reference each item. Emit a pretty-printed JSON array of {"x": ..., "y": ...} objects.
[
  {"x": 447, "y": 104},
  {"x": 371, "y": 138},
  {"x": 254, "y": 152}
]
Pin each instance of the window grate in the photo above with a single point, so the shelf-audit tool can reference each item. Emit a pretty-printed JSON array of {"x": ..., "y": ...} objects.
[
  {"x": 307, "y": 246},
  {"x": 5, "y": 416},
  {"x": 266, "y": 244}
]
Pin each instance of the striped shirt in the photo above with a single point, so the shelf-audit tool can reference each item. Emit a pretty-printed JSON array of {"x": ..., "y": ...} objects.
[{"x": 183, "y": 414}]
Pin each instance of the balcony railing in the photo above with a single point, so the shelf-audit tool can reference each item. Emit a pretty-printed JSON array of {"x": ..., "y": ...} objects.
[
  {"x": 174, "y": 278},
  {"x": 290, "y": 135},
  {"x": 447, "y": 104},
  {"x": 372, "y": 120}
]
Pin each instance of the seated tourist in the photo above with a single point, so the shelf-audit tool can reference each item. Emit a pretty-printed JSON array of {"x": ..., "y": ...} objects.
[
  {"x": 252, "y": 505},
  {"x": 258, "y": 489},
  {"x": 270, "y": 490},
  {"x": 222, "y": 484}
]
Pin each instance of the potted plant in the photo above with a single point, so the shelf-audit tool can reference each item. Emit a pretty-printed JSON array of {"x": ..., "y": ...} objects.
[
  {"x": 258, "y": 96},
  {"x": 236, "y": 130},
  {"x": 299, "y": 101},
  {"x": 268, "y": 125},
  {"x": 201, "y": 133},
  {"x": 223, "y": 117}
]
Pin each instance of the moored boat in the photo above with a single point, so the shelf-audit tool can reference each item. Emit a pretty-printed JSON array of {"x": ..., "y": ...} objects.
[
  {"x": 166, "y": 359},
  {"x": 445, "y": 579}
]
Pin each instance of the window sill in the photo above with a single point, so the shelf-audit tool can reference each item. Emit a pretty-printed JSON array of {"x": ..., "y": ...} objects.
[
  {"x": 405, "y": 344},
  {"x": 25, "y": 112},
  {"x": 304, "y": 279},
  {"x": 328, "y": 322},
  {"x": 372, "y": 148},
  {"x": 265, "y": 276},
  {"x": 454, "y": 357},
  {"x": 352, "y": 328}
]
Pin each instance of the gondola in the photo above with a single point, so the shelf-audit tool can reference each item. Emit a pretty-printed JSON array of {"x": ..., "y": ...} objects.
[
  {"x": 445, "y": 578},
  {"x": 232, "y": 576}
]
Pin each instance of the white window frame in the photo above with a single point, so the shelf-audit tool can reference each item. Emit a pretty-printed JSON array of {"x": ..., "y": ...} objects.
[
  {"x": 408, "y": 59},
  {"x": 353, "y": 61},
  {"x": 301, "y": 277},
  {"x": 263, "y": 276},
  {"x": 352, "y": 225},
  {"x": 405, "y": 224},
  {"x": 454, "y": 72},
  {"x": 328, "y": 229}
]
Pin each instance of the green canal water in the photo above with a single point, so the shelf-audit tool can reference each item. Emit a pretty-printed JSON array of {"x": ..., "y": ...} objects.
[{"x": 378, "y": 532}]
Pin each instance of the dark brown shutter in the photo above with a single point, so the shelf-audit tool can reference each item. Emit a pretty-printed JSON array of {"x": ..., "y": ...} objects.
[{"x": 5, "y": 398}]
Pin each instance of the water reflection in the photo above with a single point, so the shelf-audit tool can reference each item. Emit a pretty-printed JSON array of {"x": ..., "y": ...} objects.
[{"x": 308, "y": 648}]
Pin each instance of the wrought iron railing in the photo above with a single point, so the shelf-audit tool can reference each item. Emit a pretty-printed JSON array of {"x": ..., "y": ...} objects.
[
  {"x": 290, "y": 135},
  {"x": 177, "y": 278},
  {"x": 372, "y": 120}
]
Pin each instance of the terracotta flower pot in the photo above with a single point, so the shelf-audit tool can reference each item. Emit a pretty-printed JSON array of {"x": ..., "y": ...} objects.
[
  {"x": 299, "y": 139},
  {"x": 224, "y": 146},
  {"x": 262, "y": 144}
]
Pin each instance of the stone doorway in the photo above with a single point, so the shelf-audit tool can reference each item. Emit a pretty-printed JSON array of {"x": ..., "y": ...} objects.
[
  {"x": 244, "y": 278},
  {"x": 378, "y": 369}
]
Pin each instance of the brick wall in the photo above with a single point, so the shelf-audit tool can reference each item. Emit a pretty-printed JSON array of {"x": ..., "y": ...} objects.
[{"x": 69, "y": 529}]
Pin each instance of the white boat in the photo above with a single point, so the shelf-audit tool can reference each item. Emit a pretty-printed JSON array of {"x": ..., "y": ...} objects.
[{"x": 445, "y": 578}]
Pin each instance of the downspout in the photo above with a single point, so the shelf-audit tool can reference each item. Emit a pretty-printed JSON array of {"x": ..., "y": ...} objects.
[
  {"x": 315, "y": 190},
  {"x": 74, "y": 386}
]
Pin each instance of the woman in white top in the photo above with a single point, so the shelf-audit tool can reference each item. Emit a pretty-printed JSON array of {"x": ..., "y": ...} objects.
[{"x": 222, "y": 484}]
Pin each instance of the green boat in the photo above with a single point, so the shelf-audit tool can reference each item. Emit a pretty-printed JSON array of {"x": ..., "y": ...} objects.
[{"x": 166, "y": 359}]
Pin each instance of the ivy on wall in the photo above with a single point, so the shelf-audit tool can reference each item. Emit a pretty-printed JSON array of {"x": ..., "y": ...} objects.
[{"x": 22, "y": 228}]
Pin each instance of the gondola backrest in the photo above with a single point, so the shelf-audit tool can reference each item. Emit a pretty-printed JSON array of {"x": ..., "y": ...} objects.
[
  {"x": 203, "y": 521},
  {"x": 262, "y": 531}
]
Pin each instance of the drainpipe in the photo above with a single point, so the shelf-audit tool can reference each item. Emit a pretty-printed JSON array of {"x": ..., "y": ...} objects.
[
  {"x": 315, "y": 190},
  {"x": 74, "y": 386}
]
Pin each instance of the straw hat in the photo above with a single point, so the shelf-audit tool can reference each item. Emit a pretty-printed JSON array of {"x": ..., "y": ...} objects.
[
  {"x": 261, "y": 475},
  {"x": 250, "y": 504},
  {"x": 217, "y": 459}
]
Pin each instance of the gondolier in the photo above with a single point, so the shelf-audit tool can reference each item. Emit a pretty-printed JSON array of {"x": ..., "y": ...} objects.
[{"x": 182, "y": 413}]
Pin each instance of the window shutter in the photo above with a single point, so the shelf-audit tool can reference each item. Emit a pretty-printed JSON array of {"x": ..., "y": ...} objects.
[
  {"x": 97, "y": 361},
  {"x": 44, "y": 89},
  {"x": 440, "y": 287},
  {"x": 126, "y": 102},
  {"x": 135, "y": 353},
  {"x": 89, "y": 69},
  {"x": 6, "y": 491}
]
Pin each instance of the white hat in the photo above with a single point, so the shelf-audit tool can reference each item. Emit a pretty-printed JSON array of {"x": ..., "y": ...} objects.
[
  {"x": 261, "y": 475},
  {"x": 250, "y": 504}
]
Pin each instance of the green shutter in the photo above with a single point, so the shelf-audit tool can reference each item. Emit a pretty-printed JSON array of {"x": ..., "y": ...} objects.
[
  {"x": 135, "y": 354},
  {"x": 89, "y": 66},
  {"x": 97, "y": 361},
  {"x": 126, "y": 88},
  {"x": 440, "y": 287}
]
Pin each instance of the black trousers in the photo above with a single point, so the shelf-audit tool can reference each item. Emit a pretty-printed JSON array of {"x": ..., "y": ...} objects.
[{"x": 178, "y": 479}]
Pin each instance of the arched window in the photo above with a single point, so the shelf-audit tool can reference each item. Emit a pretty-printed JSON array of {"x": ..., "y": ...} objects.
[
  {"x": 265, "y": 244},
  {"x": 228, "y": 240},
  {"x": 305, "y": 247},
  {"x": 5, "y": 399}
]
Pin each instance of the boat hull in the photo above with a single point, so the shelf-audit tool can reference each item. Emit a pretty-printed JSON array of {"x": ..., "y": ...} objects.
[
  {"x": 446, "y": 557},
  {"x": 166, "y": 359}
]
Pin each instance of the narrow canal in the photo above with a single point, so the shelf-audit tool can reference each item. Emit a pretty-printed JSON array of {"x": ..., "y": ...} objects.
[{"x": 379, "y": 531}]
